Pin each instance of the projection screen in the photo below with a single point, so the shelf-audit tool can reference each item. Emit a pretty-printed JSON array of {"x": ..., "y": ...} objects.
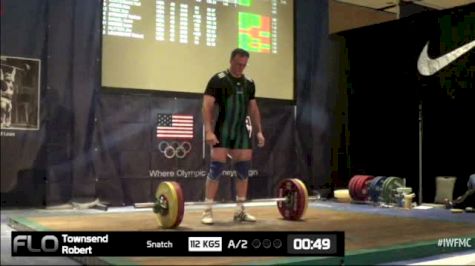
[{"x": 177, "y": 45}]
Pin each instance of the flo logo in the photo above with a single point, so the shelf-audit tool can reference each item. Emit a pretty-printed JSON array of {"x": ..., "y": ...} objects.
[
  {"x": 23, "y": 244},
  {"x": 174, "y": 132}
]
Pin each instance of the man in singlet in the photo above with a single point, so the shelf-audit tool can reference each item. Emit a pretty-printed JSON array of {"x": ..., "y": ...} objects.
[{"x": 234, "y": 95}]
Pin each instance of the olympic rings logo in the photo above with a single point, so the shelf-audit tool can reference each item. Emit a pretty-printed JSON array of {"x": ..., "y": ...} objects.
[{"x": 174, "y": 149}]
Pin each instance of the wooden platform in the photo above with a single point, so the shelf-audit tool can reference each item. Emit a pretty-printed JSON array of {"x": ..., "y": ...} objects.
[{"x": 369, "y": 238}]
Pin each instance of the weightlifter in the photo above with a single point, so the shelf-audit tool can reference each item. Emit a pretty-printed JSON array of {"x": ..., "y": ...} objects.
[{"x": 234, "y": 94}]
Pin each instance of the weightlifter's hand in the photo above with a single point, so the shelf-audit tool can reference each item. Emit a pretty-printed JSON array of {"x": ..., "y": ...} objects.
[
  {"x": 261, "y": 141},
  {"x": 211, "y": 138}
]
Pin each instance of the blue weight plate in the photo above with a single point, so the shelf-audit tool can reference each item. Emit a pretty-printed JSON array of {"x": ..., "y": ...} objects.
[{"x": 375, "y": 188}]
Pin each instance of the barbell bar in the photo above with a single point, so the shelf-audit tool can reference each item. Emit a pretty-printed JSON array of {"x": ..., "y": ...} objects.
[{"x": 140, "y": 205}]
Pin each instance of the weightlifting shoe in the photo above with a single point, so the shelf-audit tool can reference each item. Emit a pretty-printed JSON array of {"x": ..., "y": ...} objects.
[
  {"x": 243, "y": 216},
  {"x": 207, "y": 217}
]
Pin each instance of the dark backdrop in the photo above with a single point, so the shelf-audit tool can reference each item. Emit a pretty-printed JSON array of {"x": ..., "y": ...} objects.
[{"x": 386, "y": 90}]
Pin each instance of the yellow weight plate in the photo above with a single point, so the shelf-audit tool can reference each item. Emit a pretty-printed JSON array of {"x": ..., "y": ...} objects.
[{"x": 166, "y": 194}]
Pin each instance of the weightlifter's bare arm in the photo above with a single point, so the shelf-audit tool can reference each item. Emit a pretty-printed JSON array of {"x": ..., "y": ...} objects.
[
  {"x": 256, "y": 122},
  {"x": 208, "y": 110}
]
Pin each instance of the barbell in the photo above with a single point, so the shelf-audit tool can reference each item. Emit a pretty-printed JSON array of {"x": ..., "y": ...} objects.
[{"x": 169, "y": 206}]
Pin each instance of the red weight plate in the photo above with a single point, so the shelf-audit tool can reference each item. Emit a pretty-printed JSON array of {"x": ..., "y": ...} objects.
[
  {"x": 358, "y": 184},
  {"x": 302, "y": 185},
  {"x": 361, "y": 190},
  {"x": 293, "y": 208},
  {"x": 355, "y": 187},
  {"x": 360, "y": 187},
  {"x": 351, "y": 187}
]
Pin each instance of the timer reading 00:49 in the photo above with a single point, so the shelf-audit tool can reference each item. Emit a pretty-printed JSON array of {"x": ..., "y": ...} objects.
[
  {"x": 317, "y": 244},
  {"x": 311, "y": 244}
]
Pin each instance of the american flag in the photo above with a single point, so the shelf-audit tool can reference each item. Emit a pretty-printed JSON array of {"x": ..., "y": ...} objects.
[{"x": 175, "y": 126}]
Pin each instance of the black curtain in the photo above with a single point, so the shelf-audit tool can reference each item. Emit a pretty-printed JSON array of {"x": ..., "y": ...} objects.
[
  {"x": 383, "y": 101},
  {"x": 447, "y": 103},
  {"x": 66, "y": 37},
  {"x": 321, "y": 97},
  {"x": 73, "y": 71},
  {"x": 23, "y": 153},
  {"x": 385, "y": 91}
]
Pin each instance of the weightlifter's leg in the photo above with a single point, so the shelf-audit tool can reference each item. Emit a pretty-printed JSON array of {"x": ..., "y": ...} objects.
[
  {"x": 242, "y": 163},
  {"x": 218, "y": 160}
]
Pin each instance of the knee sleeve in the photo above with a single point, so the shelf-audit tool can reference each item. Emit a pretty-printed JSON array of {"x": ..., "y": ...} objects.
[
  {"x": 242, "y": 169},
  {"x": 215, "y": 170}
]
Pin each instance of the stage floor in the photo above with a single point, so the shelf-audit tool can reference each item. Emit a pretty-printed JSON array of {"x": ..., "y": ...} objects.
[{"x": 373, "y": 235}]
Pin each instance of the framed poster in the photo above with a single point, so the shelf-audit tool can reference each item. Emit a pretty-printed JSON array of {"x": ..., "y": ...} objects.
[{"x": 20, "y": 93}]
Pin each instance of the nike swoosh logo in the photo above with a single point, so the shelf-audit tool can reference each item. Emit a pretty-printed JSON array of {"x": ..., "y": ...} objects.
[{"x": 428, "y": 66}]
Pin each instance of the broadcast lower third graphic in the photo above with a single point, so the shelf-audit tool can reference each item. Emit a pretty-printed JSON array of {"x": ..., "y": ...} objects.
[
  {"x": 221, "y": 243},
  {"x": 455, "y": 243}
]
